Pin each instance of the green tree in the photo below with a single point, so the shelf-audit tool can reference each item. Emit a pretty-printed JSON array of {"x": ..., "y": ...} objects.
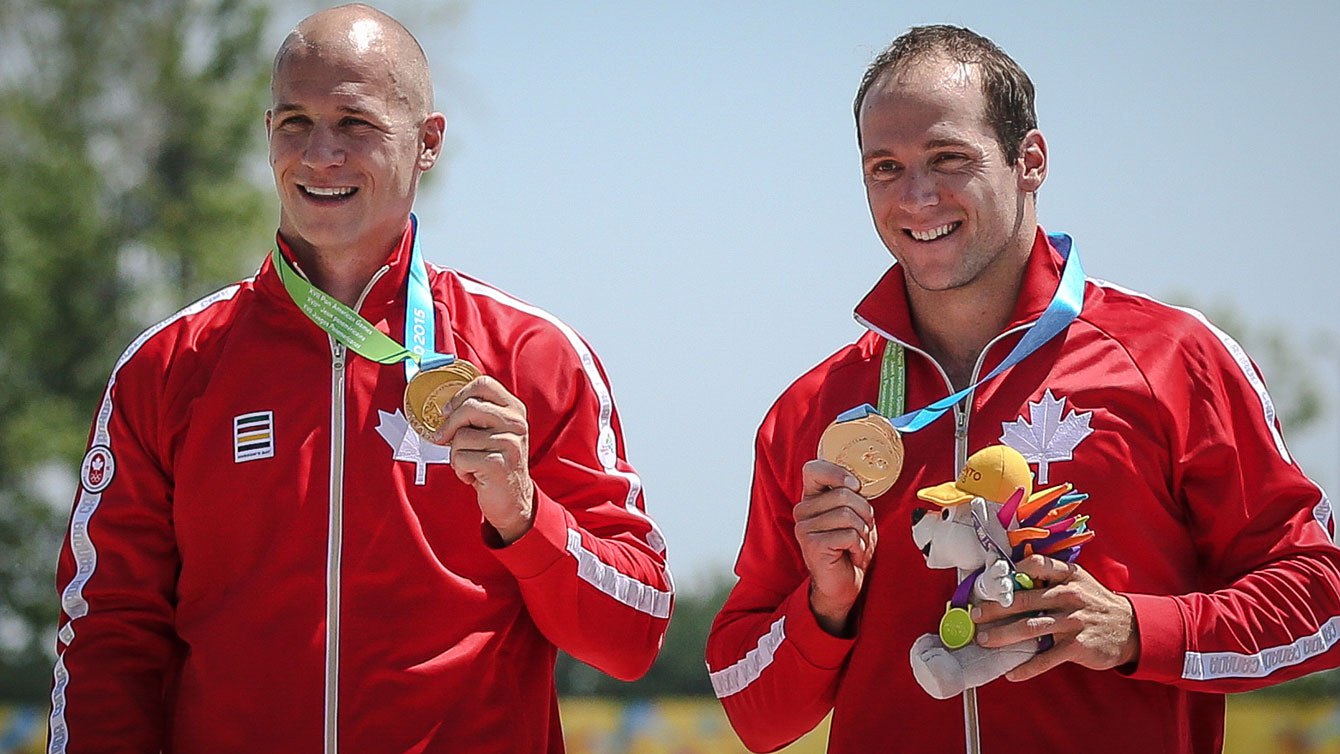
[{"x": 129, "y": 185}]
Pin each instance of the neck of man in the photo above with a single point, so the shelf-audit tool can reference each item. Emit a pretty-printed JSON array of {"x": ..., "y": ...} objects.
[
  {"x": 343, "y": 272},
  {"x": 343, "y": 277},
  {"x": 955, "y": 325}
]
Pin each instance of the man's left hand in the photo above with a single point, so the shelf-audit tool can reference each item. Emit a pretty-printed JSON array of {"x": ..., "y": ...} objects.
[
  {"x": 490, "y": 450},
  {"x": 1090, "y": 624}
]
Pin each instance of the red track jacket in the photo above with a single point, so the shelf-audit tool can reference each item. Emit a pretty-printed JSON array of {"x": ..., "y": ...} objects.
[
  {"x": 1222, "y": 544},
  {"x": 264, "y": 558}
]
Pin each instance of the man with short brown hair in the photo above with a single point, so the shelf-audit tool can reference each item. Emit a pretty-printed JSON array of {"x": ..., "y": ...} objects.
[{"x": 1211, "y": 566}]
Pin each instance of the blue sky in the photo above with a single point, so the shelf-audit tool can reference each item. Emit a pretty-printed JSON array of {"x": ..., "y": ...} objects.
[{"x": 679, "y": 182}]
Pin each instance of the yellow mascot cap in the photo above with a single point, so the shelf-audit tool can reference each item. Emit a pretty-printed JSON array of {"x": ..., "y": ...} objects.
[{"x": 993, "y": 473}]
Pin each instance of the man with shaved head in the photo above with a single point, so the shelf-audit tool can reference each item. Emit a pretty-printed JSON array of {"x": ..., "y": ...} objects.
[{"x": 357, "y": 502}]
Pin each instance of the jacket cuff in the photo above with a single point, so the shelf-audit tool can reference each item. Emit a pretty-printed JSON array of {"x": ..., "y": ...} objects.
[
  {"x": 815, "y": 645},
  {"x": 1162, "y": 630},
  {"x": 540, "y": 547}
]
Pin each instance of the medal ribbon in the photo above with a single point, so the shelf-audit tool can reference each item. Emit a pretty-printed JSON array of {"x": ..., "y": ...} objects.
[
  {"x": 357, "y": 334},
  {"x": 892, "y": 377},
  {"x": 1064, "y": 307},
  {"x": 420, "y": 329}
]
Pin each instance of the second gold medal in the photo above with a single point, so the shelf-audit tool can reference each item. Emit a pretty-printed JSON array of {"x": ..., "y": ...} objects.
[{"x": 429, "y": 392}]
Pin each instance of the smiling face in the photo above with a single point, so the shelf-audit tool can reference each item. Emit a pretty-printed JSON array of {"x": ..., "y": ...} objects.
[
  {"x": 348, "y": 140},
  {"x": 945, "y": 201}
]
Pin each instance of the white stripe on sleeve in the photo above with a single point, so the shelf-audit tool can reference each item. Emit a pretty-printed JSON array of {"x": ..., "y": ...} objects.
[
  {"x": 1206, "y": 666},
  {"x": 734, "y": 679},
  {"x": 643, "y": 598}
]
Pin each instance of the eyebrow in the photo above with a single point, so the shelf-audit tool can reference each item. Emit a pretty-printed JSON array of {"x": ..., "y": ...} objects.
[
  {"x": 940, "y": 143},
  {"x": 289, "y": 107},
  {"x": 948, "y": 142}
]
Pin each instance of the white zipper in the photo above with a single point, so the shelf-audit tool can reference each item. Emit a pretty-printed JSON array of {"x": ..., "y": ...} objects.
[
  {"x": 335, "y": 537},
  {"x": 961, "y": 431},
  {"x": 971, "y": 715}
]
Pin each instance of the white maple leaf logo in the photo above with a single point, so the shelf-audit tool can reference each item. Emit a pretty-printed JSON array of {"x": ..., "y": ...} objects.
[
  {"x": 1049, "y": 437},
  {"x": 408, "y": 446}
]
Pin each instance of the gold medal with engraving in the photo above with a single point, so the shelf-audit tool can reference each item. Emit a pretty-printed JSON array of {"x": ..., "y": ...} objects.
[
  {"x": 429, "y": 392},
  {"x": 869, "y": 447}
]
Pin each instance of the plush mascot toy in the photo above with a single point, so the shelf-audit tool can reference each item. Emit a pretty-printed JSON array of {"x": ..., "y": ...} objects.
[{"x": 982, "y": 524}]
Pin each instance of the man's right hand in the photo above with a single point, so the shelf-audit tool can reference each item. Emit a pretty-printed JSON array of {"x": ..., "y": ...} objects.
[{"x": 836, "y": 530}]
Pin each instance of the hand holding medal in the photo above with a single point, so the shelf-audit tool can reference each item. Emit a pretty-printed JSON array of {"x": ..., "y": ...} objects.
[
  {"x": 486, "y": 427},
  {"x": 835, "y": 522}
]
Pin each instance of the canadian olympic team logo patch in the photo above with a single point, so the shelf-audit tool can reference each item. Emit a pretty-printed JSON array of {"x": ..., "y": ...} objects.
[{"x": 97, "y": 469}]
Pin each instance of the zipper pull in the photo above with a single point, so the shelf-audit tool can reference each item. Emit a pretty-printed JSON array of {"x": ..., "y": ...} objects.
[
  {"x": 338, "y": 363},
  {"x": 961, "y": 424}
]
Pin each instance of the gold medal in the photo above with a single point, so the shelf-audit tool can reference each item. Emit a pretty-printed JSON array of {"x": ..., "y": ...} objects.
[
  {"x": 429, "y": 392},
  {"x": 869, "y": 447}
]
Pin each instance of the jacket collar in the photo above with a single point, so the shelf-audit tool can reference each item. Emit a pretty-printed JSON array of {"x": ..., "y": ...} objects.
[
  {"x": 386, "y": 289},
  {"x": 885, "y": 309}
]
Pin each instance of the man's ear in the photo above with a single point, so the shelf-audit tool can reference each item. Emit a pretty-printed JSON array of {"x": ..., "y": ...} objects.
[
  {"x": 431, "y": 135},
  {"x": 1032, "y": 161}
]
